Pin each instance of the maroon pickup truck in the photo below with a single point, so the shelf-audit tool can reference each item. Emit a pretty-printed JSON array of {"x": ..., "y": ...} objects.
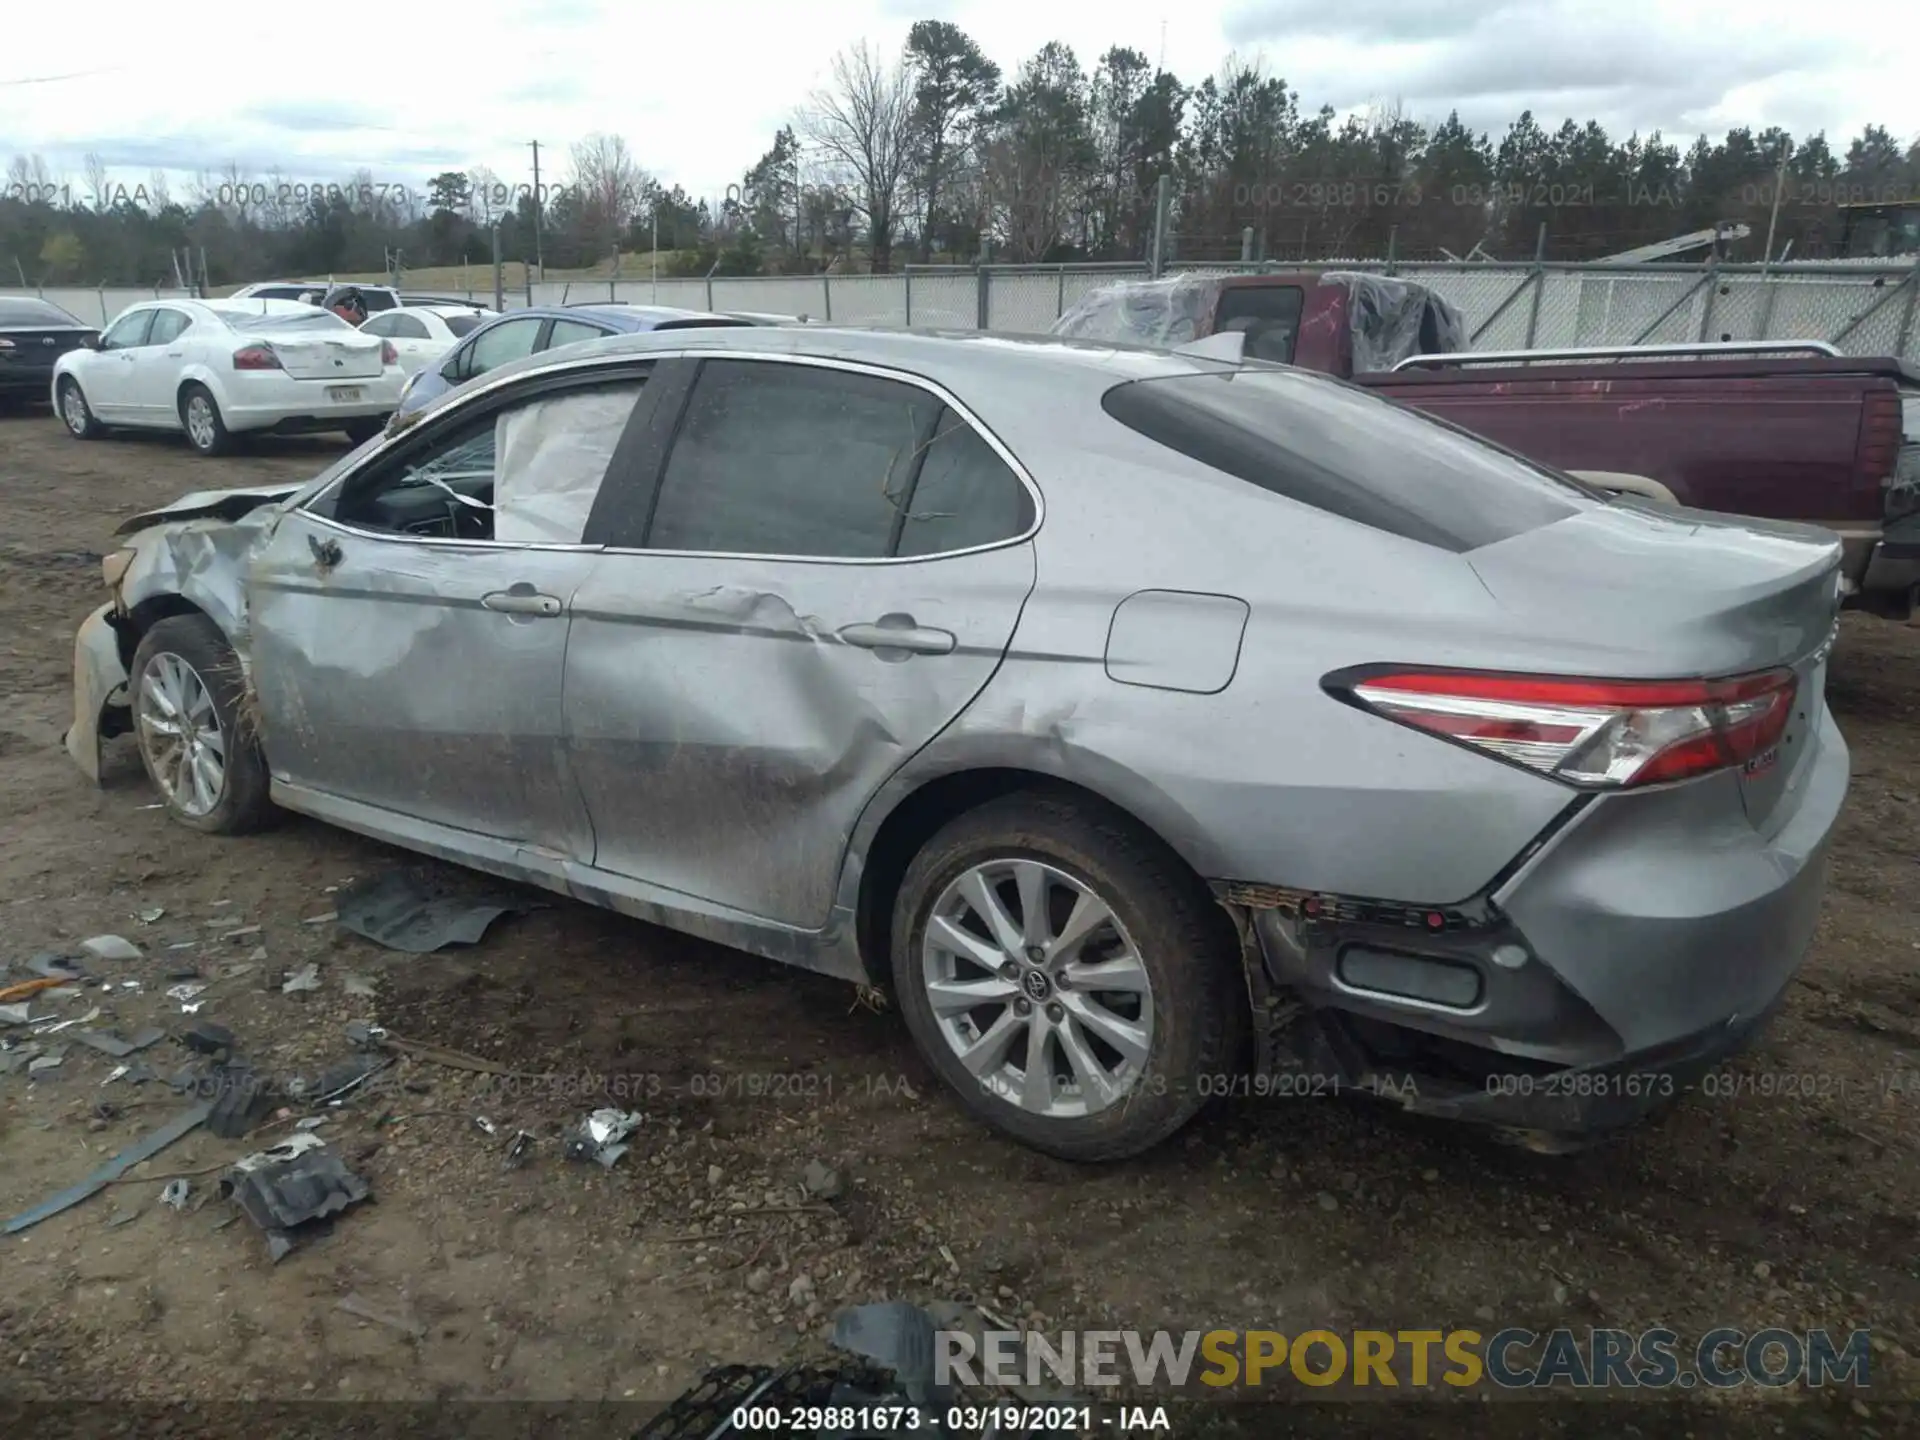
[{"x": 1776, "y": 429}]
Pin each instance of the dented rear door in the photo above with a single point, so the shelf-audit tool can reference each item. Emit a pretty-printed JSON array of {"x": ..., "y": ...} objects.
[{"x": 730, "y": 709}]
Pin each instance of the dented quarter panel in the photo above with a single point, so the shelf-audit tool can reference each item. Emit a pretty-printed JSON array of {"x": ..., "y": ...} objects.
[
  {"x": 382, "y": 679},
  {"x": 727, "y": 738}
]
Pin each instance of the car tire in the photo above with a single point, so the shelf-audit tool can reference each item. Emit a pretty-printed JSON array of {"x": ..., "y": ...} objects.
[
  {"x": 361, "y": 431},
  {"x": 75, "y": 413},
  {"x": 200, "y": 418},
  {"x": 184, "y": 663},
  {"x": 1189, "y": 1025}
]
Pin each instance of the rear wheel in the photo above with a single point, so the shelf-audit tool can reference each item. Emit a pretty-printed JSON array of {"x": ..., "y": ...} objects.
[
  {"x": 200, "y": 415},
  {"x": 196, "y": 739},
  {"x": 1067, "y": 975},
  {"x": 76, "y": 413}
]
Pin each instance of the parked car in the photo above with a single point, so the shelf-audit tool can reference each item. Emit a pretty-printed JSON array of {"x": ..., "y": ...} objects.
[
  {"x": 1095, "y": 701},
  {"x": 34, "y": 334},
  {"x": 322, "y": 293},
  {"x": 217, "y": 369},
  {"x": 1782, "y": 430},
  {"x": 422, "y": 334},
  {"x": 530, "y": 331}
]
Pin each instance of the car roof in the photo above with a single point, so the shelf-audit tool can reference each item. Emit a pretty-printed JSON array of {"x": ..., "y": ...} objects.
[{"x": 967, "y": 362}]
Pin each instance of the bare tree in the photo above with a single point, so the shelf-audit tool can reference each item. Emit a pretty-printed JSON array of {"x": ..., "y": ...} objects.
[
  {"x": 863, "y": 124},
  {"x": 159, "y": 195},
  {"x": 99, "y": 181},
  {"x": 484, "y": 193},
  {"x": 609, "y": 185}
]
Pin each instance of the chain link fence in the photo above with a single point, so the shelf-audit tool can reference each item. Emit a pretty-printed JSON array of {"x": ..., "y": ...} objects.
[{"x": 1862, "y": 309}]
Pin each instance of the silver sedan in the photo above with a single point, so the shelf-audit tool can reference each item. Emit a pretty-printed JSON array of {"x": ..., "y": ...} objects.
[{"x": 1152, "y": 726}]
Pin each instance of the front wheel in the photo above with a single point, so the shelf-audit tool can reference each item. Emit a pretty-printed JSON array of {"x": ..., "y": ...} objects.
[
  {"x": 1067, "y": 975},
  {"x": 75, "y": 413},
  {"x": 196, "y": 736},
  {"x": 200, "y": 415}
]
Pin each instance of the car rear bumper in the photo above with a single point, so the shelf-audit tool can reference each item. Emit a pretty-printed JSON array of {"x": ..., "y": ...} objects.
[
  {"x": 278, "y": 402},
  {"x": 19, "y": 379},
  {"x": 1650, "y": 935}
]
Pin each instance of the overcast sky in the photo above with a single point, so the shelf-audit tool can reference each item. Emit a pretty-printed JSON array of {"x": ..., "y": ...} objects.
[{"x": 405, "y": 90}]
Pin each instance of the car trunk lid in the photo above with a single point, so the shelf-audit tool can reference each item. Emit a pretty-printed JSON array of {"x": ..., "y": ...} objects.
[
  {"x": 348, "y": 357},
  {"x": 41, "y": 346},
  {"x": 1673, "y": 594}
]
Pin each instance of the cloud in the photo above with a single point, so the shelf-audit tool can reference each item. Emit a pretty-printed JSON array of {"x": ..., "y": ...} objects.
[
  {"x": 314, "y": 114},
  {"x": 1373, "y": 21}
]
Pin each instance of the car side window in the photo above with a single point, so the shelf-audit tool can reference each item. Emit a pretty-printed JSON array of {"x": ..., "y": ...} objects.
[
  {"x": 127, "y": 332},
  {"x": 572, "y": 332},
  {"x": 785, "y": 459},
  {"x": 168, "y": 326},
  {"x": 965, "y": 495},
  {"x": 381, "y": 325},
  {"x": 493, "y": 348},
  {"x": 400, "y": 327},
  {"x": 523, "y": 474}
]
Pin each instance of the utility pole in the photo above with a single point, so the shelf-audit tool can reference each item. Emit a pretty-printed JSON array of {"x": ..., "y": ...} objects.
[{"x": 539, "y": 214}]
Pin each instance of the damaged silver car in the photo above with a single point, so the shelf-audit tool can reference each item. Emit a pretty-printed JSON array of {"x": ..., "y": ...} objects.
[{"x": 1152, "y": 725}]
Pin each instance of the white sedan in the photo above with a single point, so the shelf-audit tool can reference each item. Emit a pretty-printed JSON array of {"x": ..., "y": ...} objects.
[
  {"x": 422, "y": 334},
  {"x": 216, "y": 369}
]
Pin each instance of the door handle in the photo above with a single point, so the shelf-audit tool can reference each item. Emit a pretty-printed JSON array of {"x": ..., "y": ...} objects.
[
  {"x": 521, "y": 599},
  {"x": 899, "y": 633}
]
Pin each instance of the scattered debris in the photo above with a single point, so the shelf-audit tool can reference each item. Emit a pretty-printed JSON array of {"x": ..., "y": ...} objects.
[
  {"x": 326, "y": 919},
  {"x": 307, "y": 977},
  {"x": 34, "y": 987},
  {"x": 311, "y": 1122},
  {"x": 55, "y": 1029},
  {"x": 519, "y": 1149},
  {"x": 239, "y": 1097},
  {"x": 153, "y": 916},
  {"x": 18, "y": 1015},
  {"x": 821, "y": 1181},
  {"x": 204, "y": 1037},
  {"x": 394, "y": 910},
  {"x": 487, "y": 1125},
  {"x": 145, "y": 1149},
  {"x": 123, "y": 1217},
  {"x": 111, "y": 947},
  {"x": 174, "y": 1196},
  {"x": 349, "y": 1074},
  {"x": 356, "y": 985},
  {"x": 290, "y": 1185},
  {"x": 15, "y": 1060},
  {"x": 52, "y": 967},
  {"x": 114, "y": 1074},
  {"x": 241, "y": 934},
  {"x": 110, "y": 1042},
  {"x": 363, "y": 1036},
  {"x": 186, "y": 993},
  {"x": 602, "y": 1136},
  {"x": 51, "y": 1060},
  {"x": 365, "y": 1310}
]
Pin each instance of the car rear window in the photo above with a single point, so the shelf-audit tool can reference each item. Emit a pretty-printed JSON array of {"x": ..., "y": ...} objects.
[
  {"x": 22, "y": 311},
  {"x": 286, "y": 320},
  {"x": 461, "y": 324},
  {"x": 1337, "y": 448}
]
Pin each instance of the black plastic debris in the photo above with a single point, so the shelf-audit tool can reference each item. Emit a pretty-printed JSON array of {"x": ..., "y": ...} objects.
[
  {"x": 291, "y": 1185},
  {"x": 240, "y": 1097},
  {"x": 205, "y": 1037},
  {"x": 145, "y": 1149},
  {"x": 347, "y": 1075},
  {"x": 396, "y": 910},
  {"x": 50, "y": 966},
  {"x": 109, "y": 1042},
  {"x": 602, "y": 1136}
]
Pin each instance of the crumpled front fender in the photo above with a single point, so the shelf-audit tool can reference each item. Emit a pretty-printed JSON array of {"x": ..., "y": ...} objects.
[{"x": 99, "y": 681}]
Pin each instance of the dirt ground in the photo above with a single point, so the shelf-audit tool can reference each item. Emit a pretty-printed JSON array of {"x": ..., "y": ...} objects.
[{"x": 1791, "y": 1202}]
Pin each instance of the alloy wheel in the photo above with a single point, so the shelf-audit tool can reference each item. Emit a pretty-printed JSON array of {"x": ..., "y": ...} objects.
[
  {"x": 1037, "y": 988},
  {"x": 180, "y": 735},
  {"x": 73, "y": 409},
  {"x": 200, "y": 422}
]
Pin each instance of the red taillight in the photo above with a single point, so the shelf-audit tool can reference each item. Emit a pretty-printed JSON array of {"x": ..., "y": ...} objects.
[
  {"x": 1597, "y": 733},
  {"x": 1880, "y": 437},
  {"x": 256, "y": 357},
  {"x": 388, "y": 355}
]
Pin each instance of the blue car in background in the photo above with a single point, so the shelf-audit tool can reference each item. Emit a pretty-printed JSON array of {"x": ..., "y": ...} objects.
[{"x": 524, "y": 332}]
